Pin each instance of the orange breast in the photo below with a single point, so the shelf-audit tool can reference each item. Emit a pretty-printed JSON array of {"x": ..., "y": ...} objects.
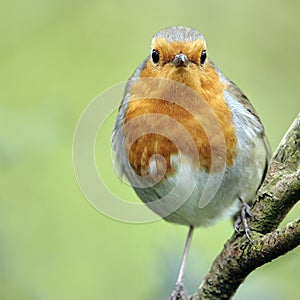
[{"x": 174, "y": 111}]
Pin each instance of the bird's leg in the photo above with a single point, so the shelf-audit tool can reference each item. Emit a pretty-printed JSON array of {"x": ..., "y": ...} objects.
[
  {"x": 242, "y": 219},
  {"x": 179, "y": 291}
]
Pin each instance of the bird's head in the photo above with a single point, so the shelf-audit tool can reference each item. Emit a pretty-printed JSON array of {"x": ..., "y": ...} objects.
[
  {"x": 180, "y": 53},
  {"x": 178, "y": 47}
]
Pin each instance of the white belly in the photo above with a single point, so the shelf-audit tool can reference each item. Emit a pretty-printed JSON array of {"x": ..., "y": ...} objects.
[{"x": 178, "y": 198}]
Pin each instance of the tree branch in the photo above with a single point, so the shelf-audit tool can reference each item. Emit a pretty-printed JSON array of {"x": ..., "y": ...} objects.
[
  {"x": 278, "y": 242},
  {"x": 276, "y": 197}
]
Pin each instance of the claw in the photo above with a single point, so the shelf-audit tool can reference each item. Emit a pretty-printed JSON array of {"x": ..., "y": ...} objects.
[
  {"x": 247, "y": 231},
  {"x": 179, "y": 292},
  {"x": 242, "y": 219},
  {"x": 237, "y": 224}
]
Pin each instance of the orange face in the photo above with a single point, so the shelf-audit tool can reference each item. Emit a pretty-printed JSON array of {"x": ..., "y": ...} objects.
[
  {"x": 190, "y": 93},
  {"x": 168, "y": 50}
]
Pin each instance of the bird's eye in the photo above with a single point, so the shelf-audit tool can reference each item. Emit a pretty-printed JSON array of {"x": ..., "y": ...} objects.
[
  {"x": 203, "y": 57},
  {"x": 155, "y": 56}
]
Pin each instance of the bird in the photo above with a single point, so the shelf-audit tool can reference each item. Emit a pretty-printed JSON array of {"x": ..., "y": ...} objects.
[{"x": 188, "y": 139}]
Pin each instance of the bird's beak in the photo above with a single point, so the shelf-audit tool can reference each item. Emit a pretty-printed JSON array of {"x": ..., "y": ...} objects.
[{"x": 180, "y": 60}]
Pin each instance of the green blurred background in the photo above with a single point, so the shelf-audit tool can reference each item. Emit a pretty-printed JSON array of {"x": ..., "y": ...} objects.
[{"x": 55, "y": 56}]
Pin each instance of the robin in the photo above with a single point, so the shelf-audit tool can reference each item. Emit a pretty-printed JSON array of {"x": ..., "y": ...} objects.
[{"x": 188, "y": 139}]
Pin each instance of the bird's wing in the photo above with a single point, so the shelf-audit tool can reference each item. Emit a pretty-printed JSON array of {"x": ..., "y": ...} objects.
[{"x": 241, "y": 98}]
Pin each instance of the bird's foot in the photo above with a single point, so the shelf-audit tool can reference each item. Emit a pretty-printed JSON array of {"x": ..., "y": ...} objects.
[
  {"x": 242, "y": 219},
  {"x": 179, "y": 292}
]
